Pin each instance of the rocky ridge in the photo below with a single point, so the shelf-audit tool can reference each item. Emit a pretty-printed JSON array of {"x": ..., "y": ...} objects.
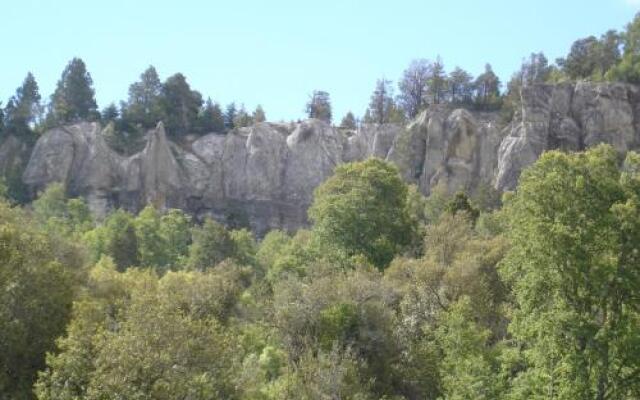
[{"x": 263, "y": 176}]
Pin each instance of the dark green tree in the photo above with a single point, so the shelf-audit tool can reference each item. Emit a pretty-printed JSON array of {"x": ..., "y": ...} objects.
[
  {"x": 73, "y": 99},
  {"x": 110, "y": 114},
  {"x": 23, "y": 109},
  {"x": 210, "y": 118},
  {"x": 628, "y": 68},
  {"x": 319, "y": 106},
  {"x": 180, "y": 105},
  {"x": 460, "y": 86},
  {"x": 487, "y": 87},
  {"x": 211, "y": 245},
  {"x": 230, "y": 116},
  {"x": 437, "y": 83},
  {"x": 144, "y": 107},
  {"x": 349, "y": 121},
  {"x": 381, "y": 104}
]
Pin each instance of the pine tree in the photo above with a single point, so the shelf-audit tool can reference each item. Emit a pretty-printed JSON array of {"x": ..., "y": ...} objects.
[
  {"x": 319, "y": 106},
  {"x": 242, "y": 119},
  {"x": 73, "y": 99},
  {"x": 437, "y": 82},
  {"x": 22, "y": 111},
  {"x": 180, "y": 105},
  {"x": 230, "y": 116},
  {"x": 349, "y": 121},
  {"x": 210, "y": 118},
  {"x": 381, "y": 103},
  {"x": 144, "y": 106},
  {"x": 460, "y": 86},
  {"x": 259, "y": 115}
]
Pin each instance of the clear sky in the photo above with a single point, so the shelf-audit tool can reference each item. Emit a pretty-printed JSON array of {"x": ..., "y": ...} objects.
[{"x": 276, "y": 52}]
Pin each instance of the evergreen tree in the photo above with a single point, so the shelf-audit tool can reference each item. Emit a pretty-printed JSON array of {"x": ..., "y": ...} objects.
[
  {"x": 628, "y": 67},
  {"x": 381, "y": 103},
  {"x": 180, "y": 105},
  {"x": 437, "y": 83},
  {"x": 21, "y": 113},
  {"x": 144, "y": 106},
  {"x": 242, "y": 119},
  {"x": 73, "y": 99},
  {"x": 349, "y": 121},
  {"x": 319, "y": 106},
  {"x": 110, "y": 114},
  {"x": 460, "y": 86},
  {"x": 259, "y": 115},
  {"x": 210, "y": 118},
  {"x": 230, "y": 116},
  {"x": 487, "y": 88}
]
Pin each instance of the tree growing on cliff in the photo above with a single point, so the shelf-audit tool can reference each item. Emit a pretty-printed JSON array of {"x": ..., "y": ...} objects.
[
  {"x": 362, "y": 211},
  {"x": 144, "y": 107},
  {"x": 413, "y": 87},
  {"x": 349, "y": 121},
  {"x": 381, "y": 104},
  {"x": 230, "y": 116},
  {"x": 628, "y": 68},
  {"x": 460, "y": 86},
  {"x": 23, "y": 109},
  {"x": 487, "y": 89},
  {"x": 73, "y": 99},
  {"x": 180, "y": 105},
  {"x": 437, "y": 83},
  {"x": 210, "y": 118},
  {"x": 319, "y": 106},
  {"x": 259, "y": 115}
]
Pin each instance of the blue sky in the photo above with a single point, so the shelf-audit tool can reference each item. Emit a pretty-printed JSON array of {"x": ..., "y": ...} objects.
[{"x": 276, "y": 52}]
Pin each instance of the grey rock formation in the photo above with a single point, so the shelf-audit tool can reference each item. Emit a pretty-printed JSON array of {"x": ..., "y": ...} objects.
[
  {"x": 567, "y": 117},
  {"x": 264, "y": 175}
]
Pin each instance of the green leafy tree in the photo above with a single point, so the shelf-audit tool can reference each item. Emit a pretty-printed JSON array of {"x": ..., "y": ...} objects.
[
  {"x": 211, "y": 245},
  {"x": 361, "y": 210},
  {"x": 574, "y": 229},
  {"x": 460, "y": 203},
  {"x": 73, "y": 99},
  {"x": 319, "y": 106},
  {"x": 110, "y": 114},
  {"x": 36, "y": 294},
  {"x": 116, "y": 238},
  {"x": 628, "y": 67}
]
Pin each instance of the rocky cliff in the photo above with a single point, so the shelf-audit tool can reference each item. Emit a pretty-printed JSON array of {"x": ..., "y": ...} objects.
[{"x": 264, "y": 176}]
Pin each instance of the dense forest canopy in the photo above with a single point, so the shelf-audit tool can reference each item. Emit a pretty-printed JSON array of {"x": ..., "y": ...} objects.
[{"x": 387, "y": 295}]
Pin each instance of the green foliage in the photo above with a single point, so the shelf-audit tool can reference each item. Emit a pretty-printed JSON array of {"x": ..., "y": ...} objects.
[
  {"x": 136, "y": 336},
  {"x": 362, "y": 211},
  {"x": 144, "y": 107},
  {"x": 210, "y": 118},
  {"x": 460, "y": 203},
  {"x": 211, "y": 245},
  {"x": 36, "y": 293},
  {"x": 180, "y": 105},
  {"x": 319, "y": 106},
  {"x": 116, "y": 238},
  {"x": 23, "y": 110},
  {"x": 73, "y": 99},
  {"x": 62, "y": 216},
  {"x": 574, "y": 228}
]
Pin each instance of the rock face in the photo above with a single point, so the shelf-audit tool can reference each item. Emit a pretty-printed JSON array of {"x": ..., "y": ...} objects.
[{"x": 264, "y": 176}]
